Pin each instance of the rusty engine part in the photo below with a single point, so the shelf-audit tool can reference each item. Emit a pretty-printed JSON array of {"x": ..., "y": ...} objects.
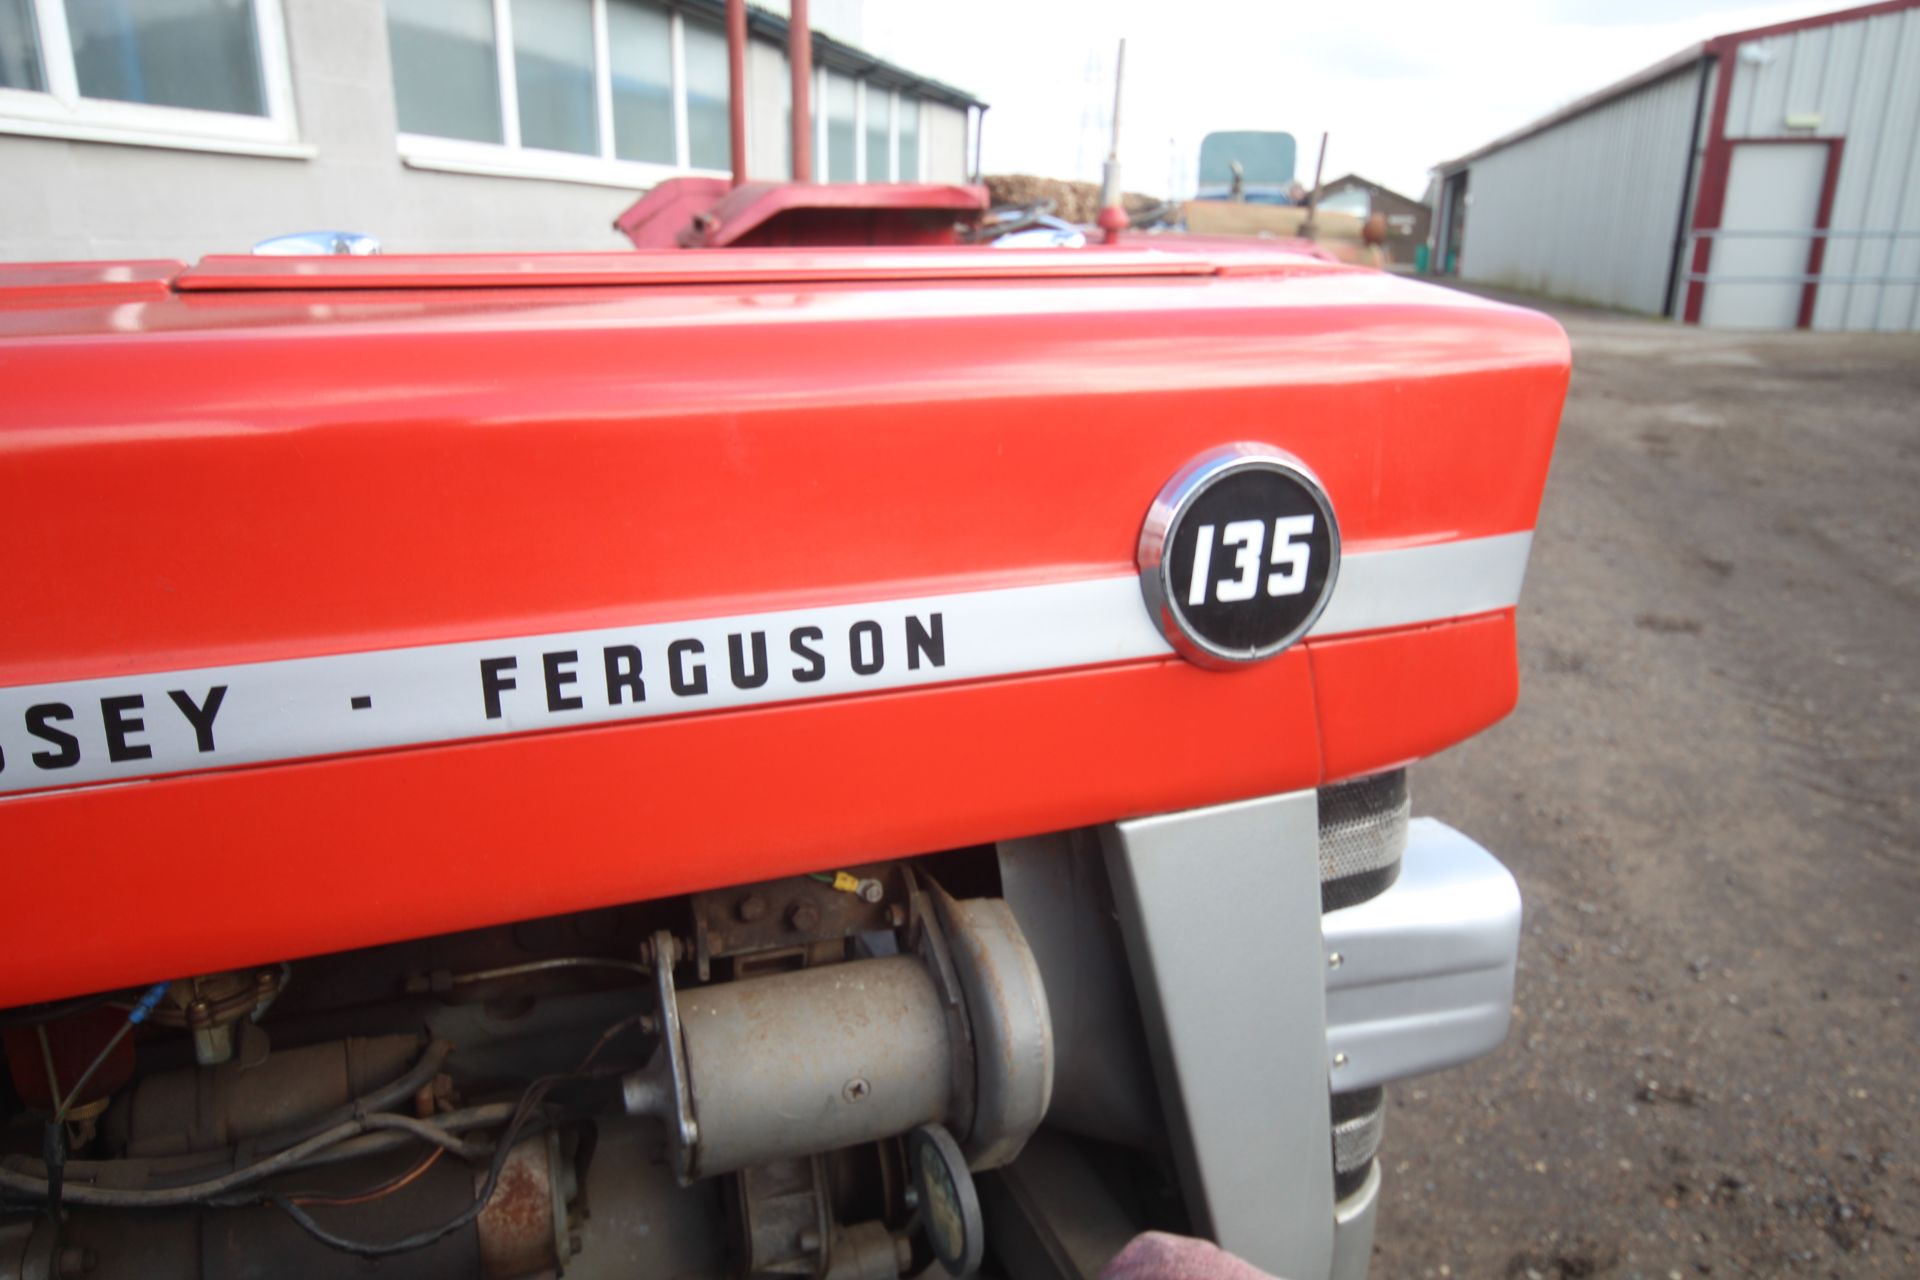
[
  {"x": 213, "y": 1005},
  {"x": 256, "y": 1093}
]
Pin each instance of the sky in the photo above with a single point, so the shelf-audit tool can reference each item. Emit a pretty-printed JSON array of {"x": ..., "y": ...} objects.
[{"x": 1399, "y": 85}]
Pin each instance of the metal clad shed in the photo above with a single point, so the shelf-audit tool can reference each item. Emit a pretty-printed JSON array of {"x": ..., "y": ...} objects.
[
  {"x": 1764, "y": 179},
  {"x": 1609, "y": 178}
]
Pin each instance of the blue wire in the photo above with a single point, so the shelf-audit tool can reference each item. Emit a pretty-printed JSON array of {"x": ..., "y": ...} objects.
[{"x": 155, "y": 994}]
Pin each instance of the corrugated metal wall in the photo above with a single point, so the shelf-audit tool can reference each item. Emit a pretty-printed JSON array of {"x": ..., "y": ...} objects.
[
  {"x": 1863, "y": 80},
  {"x": 1587, "y": 209}
]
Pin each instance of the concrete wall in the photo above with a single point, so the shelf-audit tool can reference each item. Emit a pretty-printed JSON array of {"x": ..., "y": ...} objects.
[
  {"x": 1862, "y": 79},
  {"x": 73, "y": 200},
  {"x": 1588, "y": 209}
]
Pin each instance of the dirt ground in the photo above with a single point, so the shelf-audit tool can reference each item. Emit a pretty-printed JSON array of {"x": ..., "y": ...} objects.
[{"x": 1708, "y": 795}]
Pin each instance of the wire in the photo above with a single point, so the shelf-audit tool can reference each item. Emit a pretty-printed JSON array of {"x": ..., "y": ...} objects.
[
  {"x": 428, "y": 1065},
  {"x": 279, "y": 1162},
  {"x": 488, "y": 1116},
  {"x": 27, "y": 1015},
  {"x": 530, "y": 1102},
  {"x": 545, "y": 966},
  {"x": 606, "y": 1038},
  {"x": 134, "y": 1018},
  {"x": 386, "y": 1188},
  {"x": 219, "y": 1190},
  {"x": 46, "y": 1060}
]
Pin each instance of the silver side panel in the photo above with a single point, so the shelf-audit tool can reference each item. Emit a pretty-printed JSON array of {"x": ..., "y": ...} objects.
[
  {"x": 1237, "y": 1043},
  {"x": 1424, "y": 976},
  {"x": 1353, "y": 1230}
]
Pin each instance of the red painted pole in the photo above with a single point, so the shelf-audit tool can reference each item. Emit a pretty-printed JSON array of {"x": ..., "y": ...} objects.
[
  {"x": 800, "y": 53},
  {"x": 737, "y": 87}
]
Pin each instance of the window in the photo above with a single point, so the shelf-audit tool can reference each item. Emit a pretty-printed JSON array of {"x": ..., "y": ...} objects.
[
  {"x": 453, "y": 90},
  {"x": 909, "y": 130},
  {"x": 877, "y": 106},
  {"x": 865, "y": 132},
  {"x": 600, "y": 91},
  {"x": 200, "y": 74},
  {"x": 840, "y": 160},
  {"x": 707, "y": 143},
  {"x": 553, "y": 75},
  {"x": 642, "y": 58}
]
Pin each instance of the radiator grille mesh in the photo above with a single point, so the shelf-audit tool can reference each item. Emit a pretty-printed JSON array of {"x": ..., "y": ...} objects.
[
  {"x": 1363, "y": 832},
  {"x": 1356, "y": 1137}
]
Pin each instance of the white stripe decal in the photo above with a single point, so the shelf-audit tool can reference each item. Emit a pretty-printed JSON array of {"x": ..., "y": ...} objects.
[
  {"x": 124, "y": 727},
  {"x": 1404, "y": 588}
]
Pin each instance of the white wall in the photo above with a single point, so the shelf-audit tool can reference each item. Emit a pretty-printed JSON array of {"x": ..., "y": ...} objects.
[
  {"x": 94, "y": 200},
  {"x": 945, "y": 143},
  {"x": 77, "y": 200}
]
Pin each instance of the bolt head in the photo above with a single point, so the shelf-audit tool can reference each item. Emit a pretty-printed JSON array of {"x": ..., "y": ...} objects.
[
  {"x": 750, "y": 908},
  {"x": 804, "y": 917}
]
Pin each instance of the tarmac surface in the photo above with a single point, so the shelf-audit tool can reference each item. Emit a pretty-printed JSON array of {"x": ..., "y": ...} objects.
[{"x": 1710, "y": 795}]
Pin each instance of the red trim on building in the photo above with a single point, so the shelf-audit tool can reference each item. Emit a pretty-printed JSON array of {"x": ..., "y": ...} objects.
[
  {"x": 1710, "y": 204},
  {"x": 1817, "y": 20},
  {"x": 1714, "y": 166},
  {"x": 1822, "y": 221}
]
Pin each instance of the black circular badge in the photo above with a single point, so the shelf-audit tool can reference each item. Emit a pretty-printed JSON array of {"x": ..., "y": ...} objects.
[{"x": 1239, "y": 554}]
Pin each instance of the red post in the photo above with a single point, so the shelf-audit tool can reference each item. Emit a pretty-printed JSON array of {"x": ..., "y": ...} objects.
[
  {"x": 737, "y": 87},
  {"x": 800, "y": 53}
]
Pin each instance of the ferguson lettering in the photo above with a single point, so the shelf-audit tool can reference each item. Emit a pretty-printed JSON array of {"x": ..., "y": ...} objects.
[
  {"x": 62, "y": 740},
  {"x": 753, "y": 662},
  {"x": 286, "y": 711}
]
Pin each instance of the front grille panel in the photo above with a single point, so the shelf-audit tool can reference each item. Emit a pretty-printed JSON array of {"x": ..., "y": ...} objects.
[{"x": 1363, "y": 837}]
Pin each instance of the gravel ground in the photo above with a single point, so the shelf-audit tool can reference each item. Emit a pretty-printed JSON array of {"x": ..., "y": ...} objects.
[{"x": 1708, "y": 794}]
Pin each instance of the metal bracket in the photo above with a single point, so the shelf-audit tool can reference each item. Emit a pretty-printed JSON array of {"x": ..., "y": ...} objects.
[
  {"x": 662, "y": 1088},
  {"x": 932, "y": 919}
]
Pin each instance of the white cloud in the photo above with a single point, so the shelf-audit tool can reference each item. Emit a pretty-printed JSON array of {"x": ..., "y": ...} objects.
[{"x": 1399, "y": 84}]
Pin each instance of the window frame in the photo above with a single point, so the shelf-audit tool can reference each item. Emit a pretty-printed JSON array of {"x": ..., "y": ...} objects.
[
  {"x": 59, "y": 110},
  {"x": 898, "y": 102},
  {"x": 510, "y": 158}
]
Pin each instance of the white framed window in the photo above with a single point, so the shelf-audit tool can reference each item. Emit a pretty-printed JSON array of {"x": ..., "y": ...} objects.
[
  {"x": 201, "y": 75},
  {"x": 617, "y": 93},
  {"x": 864, "y": 132},
  {"x": 906, "y": 138}
]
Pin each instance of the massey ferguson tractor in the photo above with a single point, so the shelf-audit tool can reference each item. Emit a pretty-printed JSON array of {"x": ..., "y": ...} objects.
[{"x": 738, "y": 757}]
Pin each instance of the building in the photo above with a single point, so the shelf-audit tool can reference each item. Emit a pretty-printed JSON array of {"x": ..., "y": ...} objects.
[
  {"x": 1408, "y": 221},
  {"x": 1766, "y": 179},
  {"x": 204, "y": 126}
]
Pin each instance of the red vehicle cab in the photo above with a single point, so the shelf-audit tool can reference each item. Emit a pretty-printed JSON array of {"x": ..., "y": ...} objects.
[{"x": 927, "y": 727}]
